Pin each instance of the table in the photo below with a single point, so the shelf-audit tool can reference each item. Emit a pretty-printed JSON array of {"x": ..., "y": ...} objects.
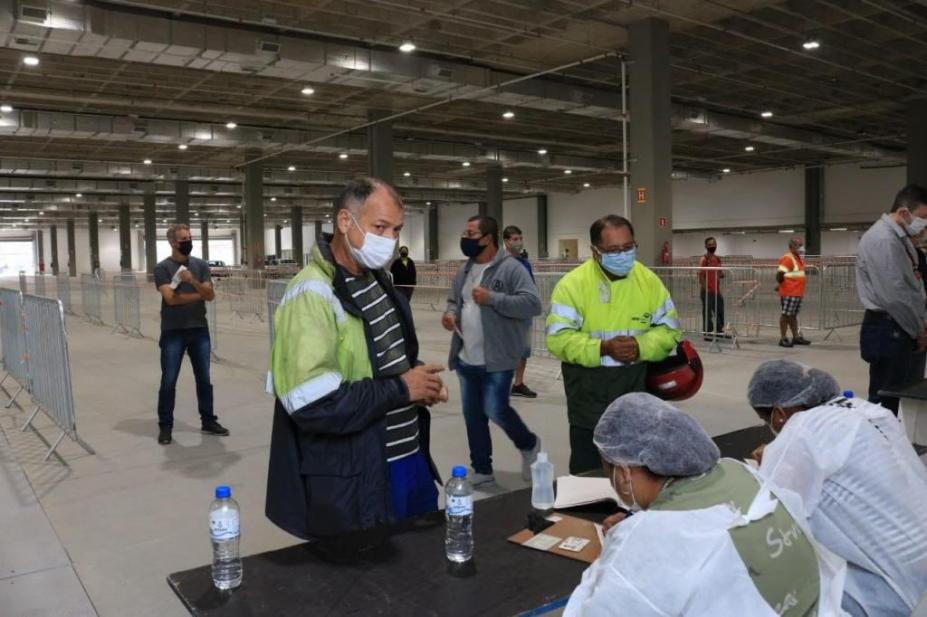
[
  {"x": 912, "y": 409},
  {"x": 402, "y": 571}
]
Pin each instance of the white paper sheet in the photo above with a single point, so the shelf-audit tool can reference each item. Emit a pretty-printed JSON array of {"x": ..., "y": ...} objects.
[{"x": 575, "y": 491}]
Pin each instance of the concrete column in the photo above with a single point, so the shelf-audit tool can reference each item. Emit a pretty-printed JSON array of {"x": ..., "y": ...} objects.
[
  {"x": 242, "y": 238},
  {"x": 543, "y": 251},
  {"x": 433, "y": 246},
  {"x": 254, "y": 215},
  {"x": 917, "y": 142},
  {"x": 651, "y": 139},
  {"x": 93, "y": 231},
  {"x": 204, "y": 240},
  {"x": 494, "y": 192},
  {"x": 814, "y": 204},
  {"x": 125, "y": 239},
  {"x": 182, "y": 200},
  {"x": 72, "y": 250},
  {"x": 278, "y": 237},
  {"x": 150, "y": 219},
  {"x": 317, "y": 232},
  {"x": 380, "y": 146},
  {"x": 482, "y": 208},
  {"x": 53, "y": 232},
  {"x": 40, "y": 245},
  {"x": 296, "y": 234}
]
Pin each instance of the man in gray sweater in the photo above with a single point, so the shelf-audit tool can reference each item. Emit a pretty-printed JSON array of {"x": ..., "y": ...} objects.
[{"x": 490, "y": 301}]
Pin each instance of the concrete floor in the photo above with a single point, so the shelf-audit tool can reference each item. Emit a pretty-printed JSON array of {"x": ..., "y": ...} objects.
[{"x": 99, "y": 536}]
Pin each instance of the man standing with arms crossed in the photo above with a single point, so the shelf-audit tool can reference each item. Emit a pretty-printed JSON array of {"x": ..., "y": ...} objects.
[
  {"x": 791, "y": 279},
  {"x": 892, "y": 293},
  {"x": 608, "y": 318},
  {"x": 184, "y": 330}
]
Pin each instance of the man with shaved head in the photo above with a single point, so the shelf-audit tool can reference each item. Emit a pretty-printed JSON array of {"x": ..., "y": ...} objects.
[{"x": 349, "y": 447}]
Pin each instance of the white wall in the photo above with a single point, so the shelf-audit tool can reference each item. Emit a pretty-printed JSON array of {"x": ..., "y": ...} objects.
[
  {"x": 414, "y": 234},
  {"x": 856, "y": 194}
]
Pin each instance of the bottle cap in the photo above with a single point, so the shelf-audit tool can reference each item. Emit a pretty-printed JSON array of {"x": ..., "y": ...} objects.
[
  {"x": 459, "y": 471},
  {"x": 542, "y": 457},
  {"x": 223, "y": 492},
  {"x": 848, "y": 394}
]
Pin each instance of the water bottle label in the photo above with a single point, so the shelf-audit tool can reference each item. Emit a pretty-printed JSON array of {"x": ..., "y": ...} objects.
[
  {"x": 223, "y": 525},
  {"x": 460, "y": 505}
]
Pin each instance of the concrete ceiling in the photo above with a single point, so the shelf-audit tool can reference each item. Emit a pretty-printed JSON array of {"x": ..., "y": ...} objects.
[{"x": 121, "y": 81}]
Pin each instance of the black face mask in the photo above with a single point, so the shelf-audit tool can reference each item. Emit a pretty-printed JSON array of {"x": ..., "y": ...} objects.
[
  {"x": 471, "y": 247},
  {"x": 185, "y": 247},
  {"x": 712, "y": 249},
  {"x": 404, "y": 254}
]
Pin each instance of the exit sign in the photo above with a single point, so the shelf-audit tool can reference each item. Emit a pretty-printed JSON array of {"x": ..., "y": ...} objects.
[{"x": 641, "y": 195}]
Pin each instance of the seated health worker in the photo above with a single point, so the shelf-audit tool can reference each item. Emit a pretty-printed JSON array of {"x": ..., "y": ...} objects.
[
  {"x": 707, "y": 537},
  {"x": 863, "y": 487}
]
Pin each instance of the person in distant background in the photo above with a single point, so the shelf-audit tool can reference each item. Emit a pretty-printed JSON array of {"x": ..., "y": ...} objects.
[
  {"x": 791, "y": 279},
  {"x": 184, "y": 330},
  {"x": 403, "y": 271},
  {"x": 710, "y": 291},
  {"x": 515, "y": 244}
]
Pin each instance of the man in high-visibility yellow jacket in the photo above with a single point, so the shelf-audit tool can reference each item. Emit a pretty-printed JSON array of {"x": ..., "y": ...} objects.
[{"x": 608, "y": 318}]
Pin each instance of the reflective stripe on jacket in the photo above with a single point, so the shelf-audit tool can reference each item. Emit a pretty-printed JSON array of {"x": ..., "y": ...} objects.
[{"x": 792, "y": 268}]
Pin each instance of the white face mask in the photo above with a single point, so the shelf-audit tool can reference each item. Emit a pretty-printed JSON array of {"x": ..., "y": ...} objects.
[
  {"x": 916, "y": 226},
  {"x": 376, "y": 251},
  {"x": 801, "y": 251},
  {"x": 633, "y": 506}
]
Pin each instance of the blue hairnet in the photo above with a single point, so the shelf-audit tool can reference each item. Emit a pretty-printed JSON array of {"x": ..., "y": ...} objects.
[
  {"x": 640, "y": 430},
  {"x": 787, "y": 384}
]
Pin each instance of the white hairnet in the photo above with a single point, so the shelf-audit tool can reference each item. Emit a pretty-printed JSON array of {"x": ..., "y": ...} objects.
[
  {"x": 786, "y": 384},
  {"x": 640, "y": 430}
]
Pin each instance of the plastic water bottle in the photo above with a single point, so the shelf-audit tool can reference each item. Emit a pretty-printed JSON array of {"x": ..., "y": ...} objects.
[
  {"x": 542, "y": 483},
  {"x": 458, "y": 541},
  {"x": 224, "y": 531},
  {"x": 848, "y": 394}
]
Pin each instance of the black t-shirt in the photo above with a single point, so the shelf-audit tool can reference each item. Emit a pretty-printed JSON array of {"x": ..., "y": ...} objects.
[{"x": 183, "y": 316}]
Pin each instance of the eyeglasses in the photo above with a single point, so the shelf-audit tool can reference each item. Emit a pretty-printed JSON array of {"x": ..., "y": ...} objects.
[{"x": 615, "y": 249}]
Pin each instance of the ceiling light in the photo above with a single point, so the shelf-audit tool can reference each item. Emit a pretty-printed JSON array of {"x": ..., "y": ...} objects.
[
  {"x": 79, "y": 195},
  {"x": 505, "y": 179},
  {"x": 466, "y": 163},
  {"x": 508, "y": 115},
  {"x": 31, "y": 60},
  {"x": 568, "y": 171},
  {"x": 286, "y": 220},
  {"x": 407, "y": 47},
  {"x": 586, "y": 185},
  {"x": 542, "y": 151},
  {"x": 343, "y": 156},
  {"x": 786, "y": 231},
  {"x": 231, "y": 125},
  {"x": 749, "y": 149},
  {"x": 291, "y": 168},
  {"x": 427, "y": 203},
  {"x": 42, "y": 213},
  {"x": 811, "y": 44},
  {"x": 27, "y": 220},
  {"x": 238, "y": 206},
  {"x": 838, "y": 229},
  {"x": 726, "y": 170},
  {"x": 165, "y": 220},
  {"x": 766, "y": 114},
  {"x": 6, "y": 108},
  {"x": 273, "y": 199},
  {"x": 182, "y": 147},
  {"x": 406, "y": 174},
  {"x": 308, "y": 90},
  {"x": 101, "y": 220},
  {"x": 147, "y": 161}
]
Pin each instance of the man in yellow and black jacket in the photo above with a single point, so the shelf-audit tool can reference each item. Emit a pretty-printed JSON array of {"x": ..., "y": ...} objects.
[{"x": 608, "y": 318}]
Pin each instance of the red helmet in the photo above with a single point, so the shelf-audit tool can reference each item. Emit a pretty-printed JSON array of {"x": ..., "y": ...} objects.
[{"x": 678, "y": 377}]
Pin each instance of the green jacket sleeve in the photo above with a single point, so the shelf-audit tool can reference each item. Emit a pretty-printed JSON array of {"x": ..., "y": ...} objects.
[
  {"x": 564, "y": 336},
  {"x": 664, "y": 333}
]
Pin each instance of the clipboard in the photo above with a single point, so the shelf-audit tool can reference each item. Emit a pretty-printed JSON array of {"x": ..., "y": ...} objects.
[{"x": 565, "y": 526}]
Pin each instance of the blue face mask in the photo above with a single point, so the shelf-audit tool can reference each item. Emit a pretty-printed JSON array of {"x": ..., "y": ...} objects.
[{"x": 619, "y": 264}]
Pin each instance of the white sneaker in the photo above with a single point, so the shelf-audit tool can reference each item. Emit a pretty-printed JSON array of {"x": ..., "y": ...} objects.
[
  {"x": 527, "y": 459},
  {"x": 482, "y": 480}
]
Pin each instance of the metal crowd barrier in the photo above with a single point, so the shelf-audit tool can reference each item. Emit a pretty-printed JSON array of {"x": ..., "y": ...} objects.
[
  {"x": 212, "y": 322},
  {"x": 91, "y": 302},
  {"x": 275, "y": 291},
  {"x": 127, "y": 304},
  {"x": 15, "y": 359},
  {"x": 23, "y": 285},
  {"x": 63, "y": 288},
  {"x": 39, "y": 284},
  {"x": 50, "y": 369},
  {"x": 246, "y": 296}
]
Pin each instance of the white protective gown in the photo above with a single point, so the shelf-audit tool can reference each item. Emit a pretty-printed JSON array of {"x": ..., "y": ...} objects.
[
  {"x": 865, "y": 493},
  {"x": 685, "y": 564}
]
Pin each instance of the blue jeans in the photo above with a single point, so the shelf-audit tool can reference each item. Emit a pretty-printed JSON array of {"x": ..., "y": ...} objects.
[
  {"x": 174, "y": 343},
  {"x": 486, "y": 397}
]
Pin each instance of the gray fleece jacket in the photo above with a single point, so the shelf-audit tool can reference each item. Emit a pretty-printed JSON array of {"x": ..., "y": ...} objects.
[{"x": 513, "y": 301}]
